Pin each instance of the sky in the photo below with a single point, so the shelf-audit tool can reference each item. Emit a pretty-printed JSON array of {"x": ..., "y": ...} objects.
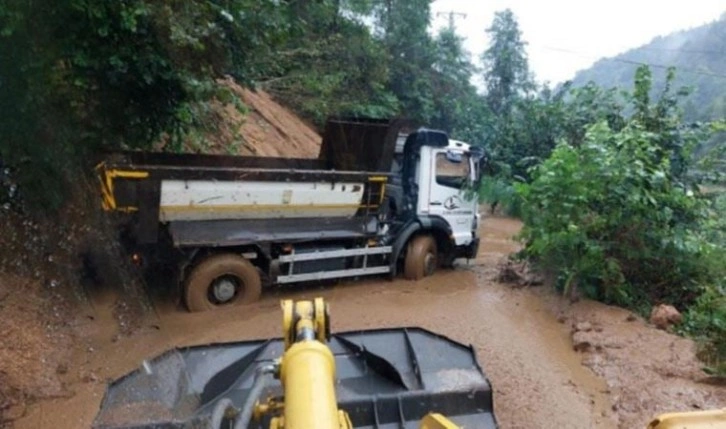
[{"x": 565, "y": 36}]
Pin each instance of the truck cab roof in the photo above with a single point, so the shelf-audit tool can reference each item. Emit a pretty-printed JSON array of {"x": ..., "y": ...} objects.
[{"x": 453, "y": 144}]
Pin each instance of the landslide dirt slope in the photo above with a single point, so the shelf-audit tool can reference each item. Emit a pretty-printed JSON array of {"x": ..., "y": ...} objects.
[
  {"x": 271, "y": 129},
  {"x": 261, "y": 127}
]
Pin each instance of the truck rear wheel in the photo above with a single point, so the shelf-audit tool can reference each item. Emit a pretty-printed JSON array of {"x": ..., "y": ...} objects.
[
  {"x": 222, "y": 280},
  {"x": 421, "y": 258}
]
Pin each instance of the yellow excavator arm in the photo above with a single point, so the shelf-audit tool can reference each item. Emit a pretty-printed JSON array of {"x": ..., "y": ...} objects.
[
  {"x": 709, "y": 419},
  {"x": 307, "y": 373}
]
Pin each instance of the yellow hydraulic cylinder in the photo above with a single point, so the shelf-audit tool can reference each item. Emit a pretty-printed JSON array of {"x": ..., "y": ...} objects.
[
  {"x": 691, "y": 419},
  {"x": 307, "y": 374},
  {"x": 437, "y": 421}
]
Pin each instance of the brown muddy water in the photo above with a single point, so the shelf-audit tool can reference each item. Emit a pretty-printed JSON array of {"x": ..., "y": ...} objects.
[{"x": 538, "y": 380}]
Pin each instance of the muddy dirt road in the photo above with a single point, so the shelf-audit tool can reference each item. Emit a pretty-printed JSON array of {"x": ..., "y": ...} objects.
[{"x": 520, "y": 335}]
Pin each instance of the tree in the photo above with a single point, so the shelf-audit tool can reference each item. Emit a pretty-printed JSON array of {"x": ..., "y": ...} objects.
[
  {"x": 83, "y": 75},
  {"x": 404, "y": 25},
  {"x": 513, "y": 135},
  {"x": 506, "y": 69},
  {"x": 458, "y": 109},
  {"x": 676, "y": 141},
  {"x": 332, "y": 65}
]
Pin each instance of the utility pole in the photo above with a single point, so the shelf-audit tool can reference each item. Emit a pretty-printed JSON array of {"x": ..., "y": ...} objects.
[{"x": 452, "y": 17}]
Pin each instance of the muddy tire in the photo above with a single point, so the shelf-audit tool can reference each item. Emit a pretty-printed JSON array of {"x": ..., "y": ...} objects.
[
  {"x": 220, "y": 281},
  {"x": 421, "y": 258}
]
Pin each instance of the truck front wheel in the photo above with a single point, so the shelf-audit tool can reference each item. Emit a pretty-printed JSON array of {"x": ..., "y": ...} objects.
[
  {"x": 222, "y": 280},
  {"x": 421, "y": 258}
]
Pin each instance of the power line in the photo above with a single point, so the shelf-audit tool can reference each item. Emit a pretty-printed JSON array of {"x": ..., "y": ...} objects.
[{"x": 620, "y": 60}]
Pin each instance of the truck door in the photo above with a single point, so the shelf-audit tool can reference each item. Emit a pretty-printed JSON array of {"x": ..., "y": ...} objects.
[{"x": 450, "y": 195}]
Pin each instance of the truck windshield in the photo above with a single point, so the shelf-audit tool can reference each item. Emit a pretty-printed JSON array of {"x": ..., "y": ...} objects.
[{"x": 453, "y": 172}]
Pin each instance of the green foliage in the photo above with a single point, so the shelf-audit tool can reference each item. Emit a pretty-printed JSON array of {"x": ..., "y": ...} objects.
[
  {"x": 458, "y": 108},
  {"x": 696, "y": 54},
  {"x": 606, "y": 217},
  {"x": 81, "y": 75},
  {"x": 506, "y": 68},
  {"x": 520, "y": 128},
  {"x": 411, "y": 53},
  {"x": 585, "y": 106},
  {"x": 499, "y": 191},
  {"x": 614, "y": 214},
  {"x": 674, "y": 141},
  {"x": 334, "y": 67},
  {"x": 705, "y": 321}
]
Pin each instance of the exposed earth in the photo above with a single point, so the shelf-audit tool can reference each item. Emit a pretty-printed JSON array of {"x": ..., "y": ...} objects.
[
  {"x": 256, "y": 126},
  {"x": 552, "y": 363},
  {"x": 522, "y": 336}
]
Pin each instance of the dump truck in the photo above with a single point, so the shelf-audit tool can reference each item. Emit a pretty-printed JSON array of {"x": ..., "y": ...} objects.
[
  {"x": 308, "y": 378},
  {"x": 382, "y": 198}
]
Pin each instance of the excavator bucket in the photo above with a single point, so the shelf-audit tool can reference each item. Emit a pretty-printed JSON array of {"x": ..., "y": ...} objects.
[{"x": 387, "y": 378}]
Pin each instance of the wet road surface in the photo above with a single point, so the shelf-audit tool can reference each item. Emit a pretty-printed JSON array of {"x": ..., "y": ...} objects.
[{"x": 527, "y": 354}]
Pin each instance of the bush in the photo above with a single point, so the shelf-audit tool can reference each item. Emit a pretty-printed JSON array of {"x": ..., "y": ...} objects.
[
  {"x": 611, "y": 214},
  {"x": 607, "y": 218},
  {"x": 706, "y": 322},
  {"x": 706, "y": 319},
  {"x": 498, "y": 191}
]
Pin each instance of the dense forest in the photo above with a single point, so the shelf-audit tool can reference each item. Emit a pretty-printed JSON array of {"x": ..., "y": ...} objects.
[{"x": 600, "y": 175}]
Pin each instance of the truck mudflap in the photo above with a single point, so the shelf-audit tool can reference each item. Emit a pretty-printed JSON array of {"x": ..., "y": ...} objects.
[
  {"x": 386, "y": 378},
  {"x": 470, "y": 250}
]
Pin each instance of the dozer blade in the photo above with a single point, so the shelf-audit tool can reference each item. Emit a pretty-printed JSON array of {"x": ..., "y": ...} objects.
[{"x": 387, "y": 378}]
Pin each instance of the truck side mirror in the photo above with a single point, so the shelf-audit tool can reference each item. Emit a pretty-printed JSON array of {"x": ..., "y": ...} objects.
[{"x": 479, "y": 155}]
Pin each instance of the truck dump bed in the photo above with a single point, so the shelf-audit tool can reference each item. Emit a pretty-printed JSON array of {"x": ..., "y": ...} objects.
[
  {"x": 203, "y": 187},
  {"x": 388, "y": 378},
  {"x": 347, "y": 181}
]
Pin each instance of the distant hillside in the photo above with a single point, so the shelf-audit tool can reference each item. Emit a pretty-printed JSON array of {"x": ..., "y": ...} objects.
[{"x": 699, "y": 55}]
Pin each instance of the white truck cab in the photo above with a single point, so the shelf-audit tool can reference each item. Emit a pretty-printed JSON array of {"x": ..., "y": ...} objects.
[
  {"x": 438, "y": 177},
  {"x": 445, "y": 191}
]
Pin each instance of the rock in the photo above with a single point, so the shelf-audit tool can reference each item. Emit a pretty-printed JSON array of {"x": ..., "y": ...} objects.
[
  {"x": 510, "y": 272},
  {"x": 583, "y": 326},
  {"x": 519, "y": 274},
  {"x": 664, "y": 315},
  {"x": 631, "y": 318},
  {"x": 89, "y": 377},
  {"x": 581, "y": 342}
]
